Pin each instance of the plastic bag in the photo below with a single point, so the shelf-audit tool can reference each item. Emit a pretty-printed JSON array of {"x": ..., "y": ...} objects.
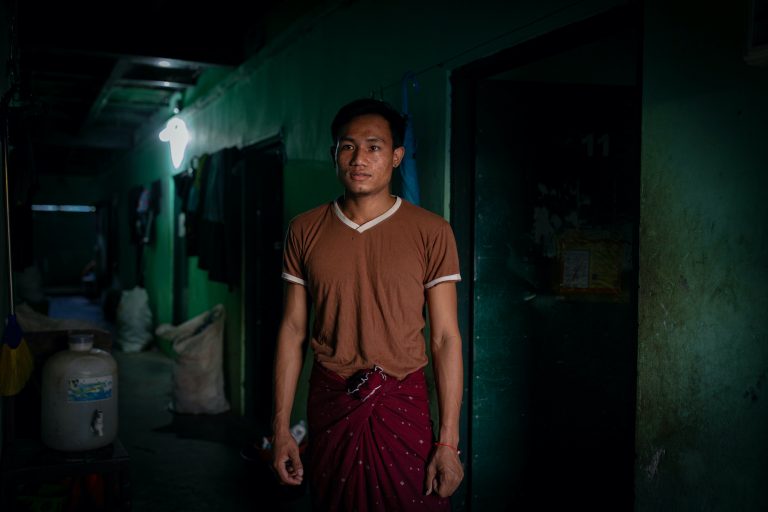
[
  {"x": 134, "y": 320},
  {"x": 198, "y": 377}
]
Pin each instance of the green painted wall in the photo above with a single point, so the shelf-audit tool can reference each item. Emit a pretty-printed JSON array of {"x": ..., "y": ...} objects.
[{"x": 702, "y": 413}]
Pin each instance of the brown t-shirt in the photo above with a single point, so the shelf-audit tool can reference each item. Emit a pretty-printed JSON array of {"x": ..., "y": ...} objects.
[{"x": 368, "y": 282}]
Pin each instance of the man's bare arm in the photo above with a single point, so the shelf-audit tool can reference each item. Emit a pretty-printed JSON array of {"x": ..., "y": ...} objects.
[
  {"x": 288, "y": 361},
  {"x": 444, "y": 471}
]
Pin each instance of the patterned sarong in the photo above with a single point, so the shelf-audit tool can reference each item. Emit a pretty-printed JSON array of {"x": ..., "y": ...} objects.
[{"x": 370, "y": 438}]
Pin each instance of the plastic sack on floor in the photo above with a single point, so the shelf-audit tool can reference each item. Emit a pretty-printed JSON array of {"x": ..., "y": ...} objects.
[
  {"x": 134, "y": 320},
  {"x": 198, "y": 377}
]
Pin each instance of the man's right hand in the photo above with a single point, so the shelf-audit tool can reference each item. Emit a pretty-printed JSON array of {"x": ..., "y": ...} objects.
[{"x": 286, "y": 460}]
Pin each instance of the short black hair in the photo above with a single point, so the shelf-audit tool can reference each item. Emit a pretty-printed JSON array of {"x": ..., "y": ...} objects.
[{"x": 366, "y": 106}]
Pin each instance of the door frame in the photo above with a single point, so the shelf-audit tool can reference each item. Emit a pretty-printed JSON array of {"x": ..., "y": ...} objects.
[
  {"x": 258, "y": 345},
  {"x": 464, "y": 85}
]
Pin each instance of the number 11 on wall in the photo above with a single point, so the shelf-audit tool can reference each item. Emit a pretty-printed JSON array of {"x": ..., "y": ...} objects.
[{"x": 603, "y": 143}]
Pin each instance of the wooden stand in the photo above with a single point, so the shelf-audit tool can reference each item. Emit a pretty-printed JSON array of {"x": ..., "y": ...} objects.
[{"x": 34, "y": 477}]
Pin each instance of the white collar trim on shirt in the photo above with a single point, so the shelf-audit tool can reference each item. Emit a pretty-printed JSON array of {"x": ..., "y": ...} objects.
[{"x": 371, "y": 223}]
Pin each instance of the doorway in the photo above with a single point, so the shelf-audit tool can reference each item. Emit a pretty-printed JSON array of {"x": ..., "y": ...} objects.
[
  {"x": 262, "y": 285},
  {"x": 546, "y": 141}
]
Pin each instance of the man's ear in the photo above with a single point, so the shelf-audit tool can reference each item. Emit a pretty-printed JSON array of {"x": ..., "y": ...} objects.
[
  {"x": 333, "y": 153},
  {"x": 398, "y": 156}
]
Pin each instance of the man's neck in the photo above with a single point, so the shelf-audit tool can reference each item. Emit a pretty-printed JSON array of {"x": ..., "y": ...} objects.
[{"x": 362, "y": 209}]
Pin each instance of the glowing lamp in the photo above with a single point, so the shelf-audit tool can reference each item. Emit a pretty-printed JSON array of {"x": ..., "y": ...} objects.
[{"x": 177, "y": 134}]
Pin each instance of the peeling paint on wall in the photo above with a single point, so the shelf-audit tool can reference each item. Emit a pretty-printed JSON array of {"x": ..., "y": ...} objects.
[{"x": 702, "y": 350}]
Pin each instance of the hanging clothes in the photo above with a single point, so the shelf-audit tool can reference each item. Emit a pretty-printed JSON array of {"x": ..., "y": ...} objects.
[
  {"x": 134, "y": 194},
  {"x": 193, "y": 204},
  {"x": 182, "y": 183},
  {"x": 147, "y": 209},
  {"x": 144, "y": 212},
  {"x": 219, "y": 229}
]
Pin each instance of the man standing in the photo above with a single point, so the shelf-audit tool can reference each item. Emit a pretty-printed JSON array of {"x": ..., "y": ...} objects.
[{"x": 369, "y": 261}]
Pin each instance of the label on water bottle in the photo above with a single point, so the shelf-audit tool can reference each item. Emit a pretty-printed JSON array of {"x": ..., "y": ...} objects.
[{"x": 89, "y": 389}]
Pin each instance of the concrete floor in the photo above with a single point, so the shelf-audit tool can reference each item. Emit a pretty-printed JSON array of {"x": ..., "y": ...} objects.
[{"x": 180, "y": 462}]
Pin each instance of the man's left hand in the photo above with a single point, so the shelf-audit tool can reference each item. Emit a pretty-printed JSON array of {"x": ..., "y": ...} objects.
[{"x": 444, "y": 472}]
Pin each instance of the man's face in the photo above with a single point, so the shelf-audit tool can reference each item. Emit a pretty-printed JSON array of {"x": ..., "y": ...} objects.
[{"x": 365, "y": 157}]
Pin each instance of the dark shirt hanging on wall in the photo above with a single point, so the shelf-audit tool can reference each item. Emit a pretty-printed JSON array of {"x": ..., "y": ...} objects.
[
  {"x": 192, "y": 206},
  {"x": 146, "y": 208},
  {"x": 143, "y": 206},
  {"x": 144, "y": 226},
  {"x": 133, "y": 214},
  {"x": 183, "y": 184},
  {"x": 206, "y": 230},
  {"x": 219, "y": 227}
]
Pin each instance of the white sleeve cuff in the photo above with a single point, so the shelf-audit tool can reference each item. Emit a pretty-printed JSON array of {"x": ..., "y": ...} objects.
[
  {"x": 452, "y": 277},
  {"x": 293, "y": 279}
]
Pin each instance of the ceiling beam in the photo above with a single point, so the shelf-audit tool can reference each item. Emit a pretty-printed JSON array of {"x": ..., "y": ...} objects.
[
  {"x": 187, "y": 75},
  {"x": 152, "y": 84},
  {"x": 118, "y": 70}
]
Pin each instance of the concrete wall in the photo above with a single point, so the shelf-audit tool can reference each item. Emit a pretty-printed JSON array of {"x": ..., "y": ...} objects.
[{"x": 702, "y": 413}]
